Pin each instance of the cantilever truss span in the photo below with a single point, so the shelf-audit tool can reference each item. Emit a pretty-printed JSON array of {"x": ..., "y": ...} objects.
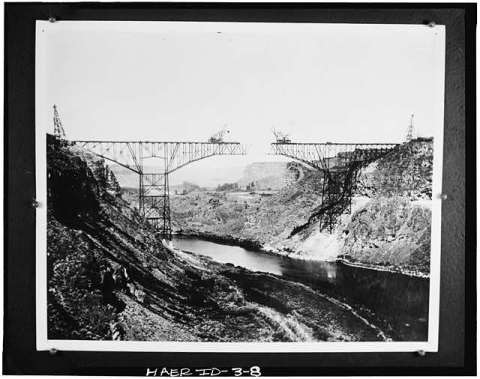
[
  {"x": 339, "y": 164},
  {"x": 153, "y": 187}
]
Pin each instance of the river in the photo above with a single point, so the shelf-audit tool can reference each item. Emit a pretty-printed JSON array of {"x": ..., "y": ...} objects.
[{"x": 396, "y": 303}]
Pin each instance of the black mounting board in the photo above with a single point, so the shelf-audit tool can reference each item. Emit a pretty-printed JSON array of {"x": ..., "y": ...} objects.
[{"x": 457, "y": 347}]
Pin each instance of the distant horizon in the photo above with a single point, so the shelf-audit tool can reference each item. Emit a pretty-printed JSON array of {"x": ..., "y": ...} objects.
[{"x": 176, "y": 180}]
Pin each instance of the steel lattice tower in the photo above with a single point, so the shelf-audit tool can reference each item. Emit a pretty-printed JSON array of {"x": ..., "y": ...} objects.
[
  {"x": 339, "y": 164},
  {"x": 153, "y": 187}
]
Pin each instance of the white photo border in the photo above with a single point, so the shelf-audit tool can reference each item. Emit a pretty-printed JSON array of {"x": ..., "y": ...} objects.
[{"x": 43, "y": 120}]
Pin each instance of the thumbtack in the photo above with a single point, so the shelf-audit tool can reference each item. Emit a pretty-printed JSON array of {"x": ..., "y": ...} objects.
[
  {"x": 421, "y": 353},
  {"x": 52, "y": 19},
  {"x": 53, "y": 351},
  {"x": 36, "y": 204},
  {"x": 431, "y": 24}
]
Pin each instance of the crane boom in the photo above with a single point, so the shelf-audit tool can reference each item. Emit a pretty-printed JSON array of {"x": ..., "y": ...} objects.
[{"x": 219, "y": 136}]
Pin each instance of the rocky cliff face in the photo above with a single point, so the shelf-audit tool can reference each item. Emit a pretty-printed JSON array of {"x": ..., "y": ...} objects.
[
  {"x": 406, "y": 171},
  {"x": 392, "y": 230},
  {"x": 101, "y": 256},
  {"x": 391, "y": 233},
  {"x": 110, "y": 277}
]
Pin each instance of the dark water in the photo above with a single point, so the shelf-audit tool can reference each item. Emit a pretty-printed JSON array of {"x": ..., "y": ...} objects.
[{"x": 396, "y": 303}]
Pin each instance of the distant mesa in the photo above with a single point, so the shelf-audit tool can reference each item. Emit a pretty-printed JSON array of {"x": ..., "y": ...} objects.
[
  {"x": 185, "y": 188},
  {"x": 266, "y": 176}
]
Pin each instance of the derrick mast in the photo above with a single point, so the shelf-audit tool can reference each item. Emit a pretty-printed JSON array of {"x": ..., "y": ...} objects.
[
  {"x": 58, "y": 130},
  {"x": 281, "y": 137},
  {"x": 410, "y": 130}
]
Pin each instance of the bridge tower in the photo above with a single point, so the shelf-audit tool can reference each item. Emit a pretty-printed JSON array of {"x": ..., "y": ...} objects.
[
  {"x": 339, "y": 164},
  {"x": 153, "y": 187}
]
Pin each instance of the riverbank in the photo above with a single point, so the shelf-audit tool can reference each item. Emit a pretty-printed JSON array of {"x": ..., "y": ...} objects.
[
  {"x": 226, "y": 239},
  {"x": 393, "y": 302},
  {"x": 292, "y": 254},
  {"x": 294, "y": 312},
  {"x": 393, "y": 270}
]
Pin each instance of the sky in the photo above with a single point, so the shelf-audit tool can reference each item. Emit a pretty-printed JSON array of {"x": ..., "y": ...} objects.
[{"x": 171, "y": 81}]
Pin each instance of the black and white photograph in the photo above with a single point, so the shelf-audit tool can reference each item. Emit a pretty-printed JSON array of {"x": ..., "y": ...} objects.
[{"x": 229, "y": 186}]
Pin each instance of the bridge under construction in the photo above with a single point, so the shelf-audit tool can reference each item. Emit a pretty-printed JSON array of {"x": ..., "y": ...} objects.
[
  {"x": 153, "y": 187},
  {"x": 339, "y": 164}
]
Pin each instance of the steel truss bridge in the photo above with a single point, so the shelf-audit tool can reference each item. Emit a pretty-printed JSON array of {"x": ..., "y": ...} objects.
[
  {"x": 340, "y": 164},
  {"x": 153, "y": 187}
]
